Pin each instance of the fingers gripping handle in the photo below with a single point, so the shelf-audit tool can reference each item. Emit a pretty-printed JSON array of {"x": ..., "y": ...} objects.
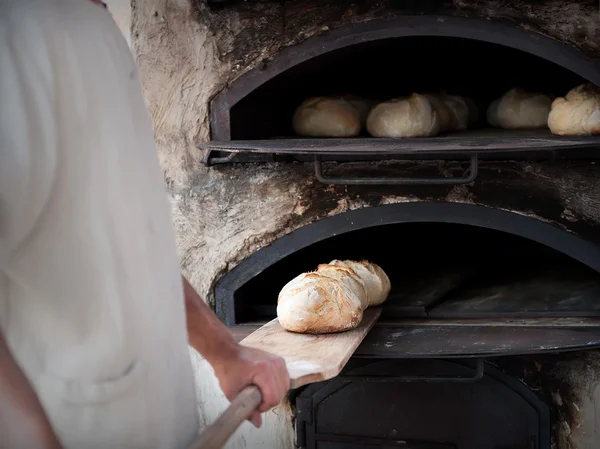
[{"x": 216, "y": 435}]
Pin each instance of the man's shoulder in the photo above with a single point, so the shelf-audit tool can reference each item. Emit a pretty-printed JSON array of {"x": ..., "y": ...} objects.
[{"x": 44, "y": 15}]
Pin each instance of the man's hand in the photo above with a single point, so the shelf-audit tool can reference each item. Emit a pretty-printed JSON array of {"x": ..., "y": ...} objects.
[
  {"x": 235, "y": 366},
  {"x": 250, "y": 366}
]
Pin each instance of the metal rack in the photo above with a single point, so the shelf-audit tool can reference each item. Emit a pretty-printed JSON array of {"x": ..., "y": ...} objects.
[{"x": 471, "y": 146}]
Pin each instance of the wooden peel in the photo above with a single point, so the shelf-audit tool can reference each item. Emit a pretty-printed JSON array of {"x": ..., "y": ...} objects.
[{"x": 309, "y": 358}]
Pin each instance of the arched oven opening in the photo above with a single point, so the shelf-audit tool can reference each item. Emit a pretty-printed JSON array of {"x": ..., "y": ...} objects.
[
  {"x": 443, "y": 270},
  {"x": 251, "y": 120},
  {"x": 469, "y": 267},
  {"x": 394, "y": 67}
]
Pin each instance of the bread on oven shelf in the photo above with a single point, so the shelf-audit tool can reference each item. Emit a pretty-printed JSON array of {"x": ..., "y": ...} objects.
[
  {"x": 578, "y": 113},
  {"x": 332, "y": 298},
  {"x": 340, "y": 116},
  {"x": 418, "y": 115},
  {"x": 413, "y": 116},
  {"x": 429, "y": 114},
  {"x": 519, "y": 109}
]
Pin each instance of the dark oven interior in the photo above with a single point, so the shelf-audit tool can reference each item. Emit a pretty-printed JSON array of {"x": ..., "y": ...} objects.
[
  {"x": 390, "y": 68},
  {"x": 443, "y": 270},
  {"x": 458, "y": 273}
]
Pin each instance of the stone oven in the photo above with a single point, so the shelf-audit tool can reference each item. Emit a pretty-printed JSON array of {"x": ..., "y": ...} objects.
[{"x": 491, "y": 238}]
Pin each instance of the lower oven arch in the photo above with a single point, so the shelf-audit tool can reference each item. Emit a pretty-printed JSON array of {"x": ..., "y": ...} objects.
[{"x": 536, "y": 230}]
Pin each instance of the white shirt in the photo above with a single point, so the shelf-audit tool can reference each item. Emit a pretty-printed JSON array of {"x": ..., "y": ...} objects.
[{"x": 91, "y": 299}]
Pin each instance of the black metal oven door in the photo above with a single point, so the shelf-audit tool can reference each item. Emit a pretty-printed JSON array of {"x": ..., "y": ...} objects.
[{"x": 421, "y": 404}]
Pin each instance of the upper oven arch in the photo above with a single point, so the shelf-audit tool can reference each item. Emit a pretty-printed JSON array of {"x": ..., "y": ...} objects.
[{"x": 501, "y": 33}]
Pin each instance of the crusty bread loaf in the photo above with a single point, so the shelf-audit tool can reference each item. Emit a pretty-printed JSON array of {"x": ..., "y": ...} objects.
[
  {"x": 519, "y": 109},
  {"x": 577, "y": 114},
  {"x": 327, "y": 117},
  {"x": 459, "y": 111},
  {"x": 455, "y": 113},
  {"x": 445, "y": 116},
  {"x": 315, "y": 303},
  {"x": 412, "y": 116},
  {"x": 376, "y": 282},
  {"x": 583, "y": 92},
  {"x": 362, "y": 105},
  {"x": 347, "y": 275},
  {"x": 333, "y": 298}
]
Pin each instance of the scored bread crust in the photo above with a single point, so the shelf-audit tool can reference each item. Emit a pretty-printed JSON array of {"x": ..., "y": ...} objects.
[
  {"x": 519, "y": 109},
  {"x": 377, "y": 284},
  {"x": 412, "y": 116},
  {"x": 443, "y": 112},
  {"x": 349, "y": 277},
  {"x": 583, "y": 92},
  {"x": 332, "y": 298},
  {"x": 578, "y": 113},
  {"x": 452, "y": 111},
  {"x": 327, "y": 117},
  {"x": 459, "y": 110},
  {"x": 315, "y": 303}
]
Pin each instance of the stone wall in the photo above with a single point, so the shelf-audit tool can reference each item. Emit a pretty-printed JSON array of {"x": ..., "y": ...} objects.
[{"x": 187, "y": 52}]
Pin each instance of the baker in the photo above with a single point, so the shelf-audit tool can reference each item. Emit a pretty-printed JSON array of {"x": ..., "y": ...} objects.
[{"x": 95, "y": 317}]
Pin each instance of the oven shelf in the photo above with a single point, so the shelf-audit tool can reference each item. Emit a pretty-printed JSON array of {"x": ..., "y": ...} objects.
[
  {"x": 410, "y": 339},
  {"x": 483, "y": 141}
]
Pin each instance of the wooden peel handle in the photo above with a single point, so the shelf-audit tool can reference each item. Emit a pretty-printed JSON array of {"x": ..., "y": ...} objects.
[{"x": 216, "y": 435}]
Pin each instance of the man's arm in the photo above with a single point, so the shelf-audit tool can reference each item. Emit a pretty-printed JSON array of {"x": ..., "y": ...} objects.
[
  {"x": 235, "y": 366},
  {"x": 206, "y": 333},
  {"x": 23, "y": 422}
]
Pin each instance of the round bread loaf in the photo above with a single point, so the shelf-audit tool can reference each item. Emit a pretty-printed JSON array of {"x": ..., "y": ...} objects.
[
  {"x": 583, "y": 92},
  {"x": 459, "y": 111},
  {"x": 577, "y": 114},
  {"x": 519, "y": 109},
  {"x": 347, "y": 275},
  {"x": 326, "y": 117},
  {"x": 377, "y": 284},
  {"x": 315, "y": 303},
  {"x": 413, "y": 116},
  {"x": 362, "y": 105},
  {"x": 445, "y": 116}
]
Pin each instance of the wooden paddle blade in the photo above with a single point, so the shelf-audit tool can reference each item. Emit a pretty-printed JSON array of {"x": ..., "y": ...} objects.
[{"x": 311, "y": 358}]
